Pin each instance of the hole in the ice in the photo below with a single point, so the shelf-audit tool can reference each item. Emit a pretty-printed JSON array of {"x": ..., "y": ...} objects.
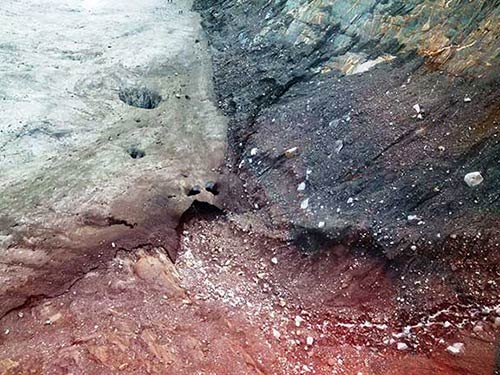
[
  {"x": 136, "y": 153},
  {"x": 212, "y": 187},
  {"x": 201, "y": 210},
  {"x": 140, "y": 97},
  {"x": 195, "y": 190}
]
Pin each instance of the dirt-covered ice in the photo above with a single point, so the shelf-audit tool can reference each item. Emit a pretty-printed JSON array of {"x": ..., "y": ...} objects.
[{"x": 106, "y": 119}]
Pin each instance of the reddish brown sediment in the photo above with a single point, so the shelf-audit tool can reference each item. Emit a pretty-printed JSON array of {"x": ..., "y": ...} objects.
[
  {"x": 238, "y": 301},
  {"x": 48, "y": 263}
]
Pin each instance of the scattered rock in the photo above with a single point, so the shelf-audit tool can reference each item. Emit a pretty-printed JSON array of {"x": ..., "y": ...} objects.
[
  {"x": 309, "y": 340},
  {"x": 298, "y": 321},
  {"x": 456, "y": 348},
  {"x": 473, "y": 179},
  {"x": 302, "y": 186},
  {"x": 304, "y": 204},
  {"x": 276, "y": 334},
  {"x": 467, "y": 99},
  {"x": 419, "y": 111},
  {"x": 254, "y": 151},
  {"x": 478, "y": 328},
  {"x": 291, "y": 152},
  {"x": 339, "y": 145},
  {"x": 274, "y": 260},
  {"x": 402, "y": 346}
]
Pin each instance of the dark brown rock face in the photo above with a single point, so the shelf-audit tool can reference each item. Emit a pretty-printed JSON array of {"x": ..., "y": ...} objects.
[{"x": 384, "y": 110}]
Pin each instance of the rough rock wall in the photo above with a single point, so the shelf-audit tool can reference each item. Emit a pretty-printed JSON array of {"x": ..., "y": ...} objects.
[
  {"x": 384, "y": 107},
  {"x": 458, "y": 35}
]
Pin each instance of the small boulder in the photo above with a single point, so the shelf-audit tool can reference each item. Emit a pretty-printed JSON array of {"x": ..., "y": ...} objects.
[
  {"x": 456, "y": 348},
  {"x": 291, "y": 152},
  {"x": 339, "y": 145},
  {"x": 402, "y": 346},
  {"x": 304, "y": 204},
  {"x": 473, "y": 179}
]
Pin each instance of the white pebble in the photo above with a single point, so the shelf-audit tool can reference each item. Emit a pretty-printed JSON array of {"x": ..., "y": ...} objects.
[
  {"x": 291, "y": 152},
  {"x": 304, "y": 204},
  {"x": 456, "y": 348},
  {"x": 302, "y": 186},
  {"x": 478, "y": 328},
  {"x": 339, "y": 145},
  {"x": 402, "y": 346},
  {"x": 276, "y": 334},
  {"x": 309, "y": 340},
  {"x": 473, "y": 179},
  {"x": 298, "y": 321}
]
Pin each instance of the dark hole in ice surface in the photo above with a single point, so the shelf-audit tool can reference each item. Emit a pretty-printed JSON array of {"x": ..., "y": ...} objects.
[
  {"x": 212, "y": 187},
  {"x": 140, "y": 97},
  {"x": 200, "y": 210},
  {"x": 136, "y": 153},
  {"x": 195, "y": 190}
]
